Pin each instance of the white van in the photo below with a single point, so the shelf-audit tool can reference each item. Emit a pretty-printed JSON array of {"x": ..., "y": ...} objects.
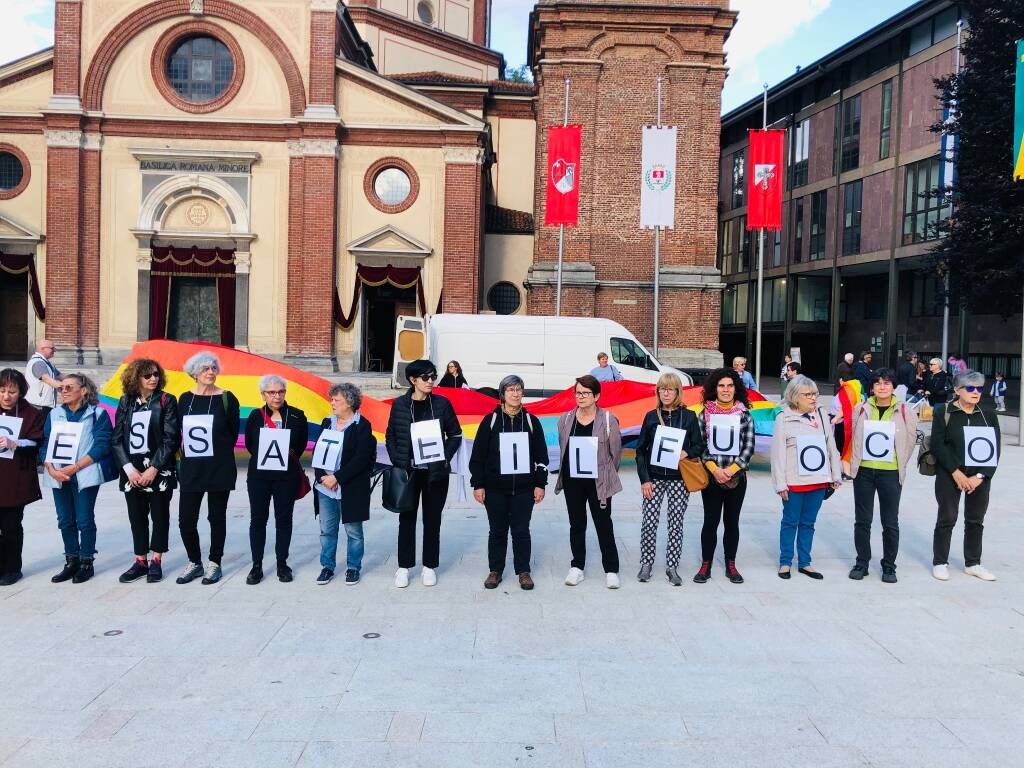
[{"x": 547, "y": 352}]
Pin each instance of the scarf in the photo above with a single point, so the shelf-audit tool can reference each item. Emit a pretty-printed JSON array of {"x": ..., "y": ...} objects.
[{"x": 711, "y": 408}]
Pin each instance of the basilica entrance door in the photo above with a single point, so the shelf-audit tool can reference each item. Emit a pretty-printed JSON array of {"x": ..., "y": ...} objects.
[
  {"x": 382, "y": 304},
  {"x": 14, "y": 328},
  {"x": 194, "y": 313}
]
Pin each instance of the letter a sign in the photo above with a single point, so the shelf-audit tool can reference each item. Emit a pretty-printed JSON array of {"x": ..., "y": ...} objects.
[{"x": 272, "y": 453}]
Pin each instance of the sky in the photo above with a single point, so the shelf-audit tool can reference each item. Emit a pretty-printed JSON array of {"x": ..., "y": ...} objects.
[{"x": 770, "y": 39}]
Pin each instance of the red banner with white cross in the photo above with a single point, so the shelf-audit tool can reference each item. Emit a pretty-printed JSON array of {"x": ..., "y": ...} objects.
[
  {"x": 764, "y": 179},
  {"x": 563, "y": 185}
]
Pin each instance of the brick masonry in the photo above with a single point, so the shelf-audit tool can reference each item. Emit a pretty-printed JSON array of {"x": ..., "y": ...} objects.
[{"x": 462, "y": 236}]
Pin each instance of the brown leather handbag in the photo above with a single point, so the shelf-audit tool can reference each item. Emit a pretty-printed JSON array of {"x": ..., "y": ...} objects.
[{"x": 695, "y": 476}]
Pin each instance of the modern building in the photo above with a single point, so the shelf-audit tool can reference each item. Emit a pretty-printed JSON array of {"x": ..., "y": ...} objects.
[
  {"x": 288, "y": 176},
  {"x": 848, "y": 271}
]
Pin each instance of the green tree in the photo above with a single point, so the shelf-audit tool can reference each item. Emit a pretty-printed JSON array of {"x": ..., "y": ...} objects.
[
  {"x": 983, "y": 242},
  {"x": 521, "y": 74}
]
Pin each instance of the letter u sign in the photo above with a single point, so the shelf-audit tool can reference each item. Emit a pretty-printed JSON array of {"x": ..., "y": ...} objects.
[{"x": 724, "y": 436}]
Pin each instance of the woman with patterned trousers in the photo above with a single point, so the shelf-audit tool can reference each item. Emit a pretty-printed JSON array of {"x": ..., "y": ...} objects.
[
  {"x": 660, "y": 477},
  {"x": 727, "y": 429}
]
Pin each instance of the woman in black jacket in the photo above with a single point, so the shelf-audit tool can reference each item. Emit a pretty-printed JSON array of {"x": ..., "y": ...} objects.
[
  {"x": 430, "y": 475},
  {"x": 147, "y": 429},
  {"x": 509, "y": 498},
  {"x": 657, "y": 482},
  {"x": 343, "y": 493},
  {"x": 937, "y": 383},
  {"x": 266, "y": 480},
  {"x": 454, "y": 377}
]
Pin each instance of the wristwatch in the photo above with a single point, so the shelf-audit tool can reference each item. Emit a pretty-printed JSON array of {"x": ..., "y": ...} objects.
[{"x": 980, "y": 476}]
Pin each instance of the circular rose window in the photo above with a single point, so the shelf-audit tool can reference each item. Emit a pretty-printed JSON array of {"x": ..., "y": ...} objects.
[
  {"x": 392, "y": 186},
  {"x": 14, "y": 171},
  {"x": 198, "y": 66}
]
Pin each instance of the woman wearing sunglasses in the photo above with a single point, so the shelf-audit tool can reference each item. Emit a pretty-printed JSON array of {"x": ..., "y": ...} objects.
[
  {"x": 145, "y": 442},
  {"x": 75, "y": 472},
  {"x": 964, "y": 466},
  {"x": 437, "y": 439}
]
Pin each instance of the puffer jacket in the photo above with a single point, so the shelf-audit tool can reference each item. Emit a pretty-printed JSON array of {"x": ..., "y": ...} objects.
[
  {"x": 680, "y": 418},
  {"x": 485, "y": 461},
  {"x": 398, "y": 440}
]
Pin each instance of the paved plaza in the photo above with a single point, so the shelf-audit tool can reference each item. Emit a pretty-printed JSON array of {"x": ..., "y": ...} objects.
[{"x": 830, "y": 674}]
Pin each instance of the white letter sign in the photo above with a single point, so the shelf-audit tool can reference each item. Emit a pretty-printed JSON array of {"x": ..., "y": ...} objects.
[
  {"x": 879, "y": 441},
  {"x": 138, "y": 432},
  {"x": 327, "y": 451},
  {"x": 667, "y": 447},
  {"x": 197, "y": 436},
  {"x": 514, "y": 451},
  {"x": 10, "y": 427},
  {"x": 63, "y": 446},
  {"x": 980, "y": 447},
  {"x": 812, "y": 456},
  {"x": 724, "y": 436},
  {"x": 272, "y": 452},
  {"x": 427, "y": 445},
  {"x": 583, "y": 457}
]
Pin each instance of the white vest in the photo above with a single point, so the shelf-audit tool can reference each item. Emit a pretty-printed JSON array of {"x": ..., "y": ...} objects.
[{"x": 40, "y": 394}]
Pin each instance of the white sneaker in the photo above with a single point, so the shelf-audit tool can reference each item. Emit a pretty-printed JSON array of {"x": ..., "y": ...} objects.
[
  {"x": 980, "y": 571},
  {"x": 612, "y": 580},
  {"x": 941, "y": 572},
  {"x": 429, "y": 577},
  {"x": 402, "y": 578},
  {"x": 575, "y": 577}
]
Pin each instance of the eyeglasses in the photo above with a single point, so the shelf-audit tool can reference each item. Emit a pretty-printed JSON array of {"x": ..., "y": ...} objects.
[
  {"x": 513, "y": 390},
  {"x": 584, "y": 394},
  {"x": 69, "y": 388},
  {"x": 809, "y": 394},
  {"x": 427, "y": 377},
  {"x": 972, "y": 388},
  {"x": 151, "y": 375},
  {"x": 274, "y": 392},
  {"x": 667, "y": 389},
  {"x": 206, "y": 368}
]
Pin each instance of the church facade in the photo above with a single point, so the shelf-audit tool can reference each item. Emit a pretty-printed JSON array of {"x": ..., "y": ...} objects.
[{"x": 289, "y": 176}]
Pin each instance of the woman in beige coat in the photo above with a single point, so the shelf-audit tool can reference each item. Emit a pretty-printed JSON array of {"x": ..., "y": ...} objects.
[{"x": 805, "y": 464}]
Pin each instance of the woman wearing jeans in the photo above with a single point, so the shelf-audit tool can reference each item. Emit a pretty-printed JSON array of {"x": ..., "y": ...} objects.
[
  {"x": 802, "y": 490},
  {"x": 343, "y": 495},
  {"x": 77, "y": 482}
]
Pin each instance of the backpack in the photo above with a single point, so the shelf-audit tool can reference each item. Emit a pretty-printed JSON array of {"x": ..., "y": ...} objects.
[{"x": 926, "y": 462}]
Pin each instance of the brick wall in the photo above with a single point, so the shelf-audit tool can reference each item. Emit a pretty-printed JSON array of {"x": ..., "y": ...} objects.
[
  {"x": 323, "y": 28},
  {"x": 63, "y": 241},
  {"x": 89, "y": 256},
  {"x": 462, "y": 237},
  {"x": 67, "y": 47}
]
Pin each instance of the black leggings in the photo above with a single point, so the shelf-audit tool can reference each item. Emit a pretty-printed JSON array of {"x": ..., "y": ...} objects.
[
  {"x": 578, "y": 495},
  {"x": 12, "y": 538},
  {"x": 722, "y": 503},
  {"x": 141, "y": 505},
  {"x": 433, "y": 496},
  {"x": 261, "y": 491},
  {"x": 188, "y": 523}
]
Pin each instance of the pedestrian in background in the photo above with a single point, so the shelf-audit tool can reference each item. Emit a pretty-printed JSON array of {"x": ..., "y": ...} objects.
[
  {"x": 43, "y": 378},
  {"x": 937, "y": 383},
  {"x": 454, "y": 377},
  {"x": 998, "y": 393},
  {"x": 739, "y": 365},
  {"x": 605, "y": 371}
]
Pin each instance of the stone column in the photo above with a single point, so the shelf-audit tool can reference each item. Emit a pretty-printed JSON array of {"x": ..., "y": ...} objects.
[{"x": 323, "y": 47}]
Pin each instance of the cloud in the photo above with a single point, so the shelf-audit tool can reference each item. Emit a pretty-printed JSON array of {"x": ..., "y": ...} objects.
[
  {"x": 764, "y": 24},
  {"x": 26, "y": 31},
  {"x": 510, "y": 27}
]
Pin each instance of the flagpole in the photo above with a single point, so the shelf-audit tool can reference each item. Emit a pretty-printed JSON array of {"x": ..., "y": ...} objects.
[
  {"x": 561, "y": 227},
  {"x": 657, "y": 253},
  {"x": 760, "y": 265},
  {"x": 945, "y": 277}
]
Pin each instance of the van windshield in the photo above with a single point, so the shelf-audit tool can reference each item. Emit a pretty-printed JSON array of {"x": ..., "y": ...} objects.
[{"x": 628, "y": 352}]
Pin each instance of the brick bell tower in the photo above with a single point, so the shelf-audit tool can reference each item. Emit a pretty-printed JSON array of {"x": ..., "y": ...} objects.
[{"x": 613, "y": 53}]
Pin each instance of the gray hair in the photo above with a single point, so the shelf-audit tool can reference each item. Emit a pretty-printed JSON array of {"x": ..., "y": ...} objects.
[
  {"x": 509, "y": 381},
  {"x": 272, "y": 378},
  {"x": 937, "y": 361},
  {"x": 200, "y": 360},
  {"x": 797, "y": 383},
  {"x": 350, "y": 392},
  {"x": 91, "y": 395},
  {"x": 968, "y": 379}
]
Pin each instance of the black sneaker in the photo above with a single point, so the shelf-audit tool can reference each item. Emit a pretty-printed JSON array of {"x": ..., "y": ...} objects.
[
  {"x": 85, "y": 572},
  {"x": 325, "y": 577},
  {"x": 71, "y": 566},
  {"x": 889, "y": 575},
  {"x": 255, "y": 574},
  {"x": 155, "y": 572},
  {"x": 284, "y": 573},
  {"x": 704, "y": 573},
  {"x": 137, "y": 571},
  {"x": 10, "y": 578},
  {"x": 858, "y": 572},
  {"x": 351, "y": 577}
]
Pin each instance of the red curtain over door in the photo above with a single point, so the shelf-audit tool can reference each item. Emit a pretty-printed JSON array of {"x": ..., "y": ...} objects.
[{"x": 170, "y": 262}]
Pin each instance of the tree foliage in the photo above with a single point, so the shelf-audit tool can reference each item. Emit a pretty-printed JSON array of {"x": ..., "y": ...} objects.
[
  {"x": 521, "y": 74},
  {"x": 983, "y": 242}
]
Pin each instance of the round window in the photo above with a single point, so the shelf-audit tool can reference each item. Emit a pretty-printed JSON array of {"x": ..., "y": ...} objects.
[
  {"x": 426, "y": 12},
  {"x": 200, "y": 68},
  {"x": 11, "y": 171},
  {"x": 392, "y": 186},
  {"x": 503, "y": 298}
]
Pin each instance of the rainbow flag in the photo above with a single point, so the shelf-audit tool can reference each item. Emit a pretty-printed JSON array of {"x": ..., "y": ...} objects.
[{"x": 241, "y": 372}]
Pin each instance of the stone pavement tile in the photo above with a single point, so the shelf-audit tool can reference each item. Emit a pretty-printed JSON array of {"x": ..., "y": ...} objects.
[
  {"x": 933, "y": 757},
  {"x": 9, "y": 745},
  {"x": 398, "y": 637},
  {"x": 468, "y": 686},
  {"x": 439, "y": 755},
  {"x": 714, "y": 755},
  {"x": 246, "y": 754},
  {"x": 44, "y": 723},
  {"x": 55, "y": 684},
  {"x": 200, "y": 723},
  {"x": 266, "y": 684},
  {"x": 106, "y": 724},
  {"x": 406, "y": 726},
  {"x": 524, "y": 727},
  {"x": 994, "y": 733},
  {"x": 649, "y": 727},
  {"x": 792, "y": 729},
  {"x": 910, "y": 732},
  {"x": 173, "y": 751},
  {"x": 277, "y": 725}
]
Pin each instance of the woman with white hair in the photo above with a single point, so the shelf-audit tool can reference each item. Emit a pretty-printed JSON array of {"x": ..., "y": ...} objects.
[
  {"x": 509, "y": 471},
  {"x": 805, "y": 464},
  {"x": 963, "y": 467},
  {"x": 209, "y": 431},
  {"x": 937, "y": 383},
  {"x": 273, "y": 475}
]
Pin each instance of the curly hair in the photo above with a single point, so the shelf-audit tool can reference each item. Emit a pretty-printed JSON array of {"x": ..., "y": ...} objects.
[
  {"x": 131, "y": 377},
  {"x": 711, "y": 385}
]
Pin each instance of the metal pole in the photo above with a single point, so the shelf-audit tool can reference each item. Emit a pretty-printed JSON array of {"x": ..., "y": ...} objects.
[
  {"x": 760, "y": 267},
  {"x": 1020, "y": 406},
  {"x": 657, "y": 254},
  {"x": 561, "y": 227},
  {"x": 945, "y": 277}
]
